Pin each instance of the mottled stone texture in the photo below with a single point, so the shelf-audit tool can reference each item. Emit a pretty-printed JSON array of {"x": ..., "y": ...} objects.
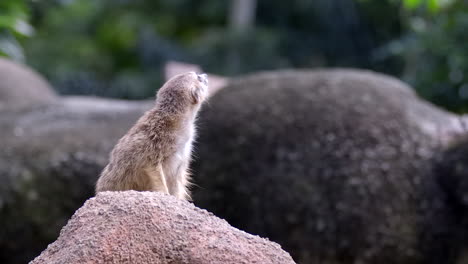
[
  {"x": 50, "y": 159},
  {"x": 453, "y": 171},
  {"x": 22, "y": 87},
  {"x": 150, "y": 227},
  {"x": 338, "y": 166}
]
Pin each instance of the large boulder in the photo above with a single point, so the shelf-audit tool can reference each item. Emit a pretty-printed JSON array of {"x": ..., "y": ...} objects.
[
  {"x": 50, "y": 159},
  {"x": 151, "y": 227},
  {"x": 338, "y": 166},
  {"x": 22, "y": 87}
]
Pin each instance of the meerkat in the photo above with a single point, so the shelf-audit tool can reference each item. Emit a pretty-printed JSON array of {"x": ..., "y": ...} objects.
[{"x": 155, "y": 153}]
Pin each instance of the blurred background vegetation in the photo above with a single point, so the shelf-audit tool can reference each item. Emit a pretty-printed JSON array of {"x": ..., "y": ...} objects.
[{"x": 117, "y": 48}]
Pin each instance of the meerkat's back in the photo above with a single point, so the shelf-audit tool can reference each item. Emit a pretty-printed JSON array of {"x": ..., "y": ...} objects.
[{"x": 125, "y": 169}]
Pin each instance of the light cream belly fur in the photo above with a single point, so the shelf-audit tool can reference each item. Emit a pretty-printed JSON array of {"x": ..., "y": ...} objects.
[{"x": 174, "y": 168}]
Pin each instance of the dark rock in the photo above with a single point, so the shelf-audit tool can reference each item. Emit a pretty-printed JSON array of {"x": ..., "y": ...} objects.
[
  {"x": 452, "y": 171},
  {"x": 335, "y": 165},
  {"x": 151, "y": 227}
]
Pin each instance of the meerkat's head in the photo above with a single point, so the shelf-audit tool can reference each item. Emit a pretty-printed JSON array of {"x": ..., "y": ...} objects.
[{"x": 187, "y": 89}]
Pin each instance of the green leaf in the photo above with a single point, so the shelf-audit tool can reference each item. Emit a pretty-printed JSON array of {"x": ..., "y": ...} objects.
[
  {"x": 433, "y": 5},
  {"x": 411, "y": 4},
  {"x": 7, "y": 21}
]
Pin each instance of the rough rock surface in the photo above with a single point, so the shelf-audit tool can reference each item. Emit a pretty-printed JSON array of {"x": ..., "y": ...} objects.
[
  {"x": 50, "y": 159},
  {"x": 453, "y": 171},
  {"x": 21, "y": 87},
  {"x": 338, "y": 166},
  {"x": 150, "y": 227}
]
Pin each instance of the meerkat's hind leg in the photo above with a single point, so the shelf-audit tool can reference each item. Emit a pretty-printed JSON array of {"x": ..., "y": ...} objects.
[
  {"x": 183, "y": 187},
  {"x": 183, "y": 194},
  {"x": 157, "y": 179}
]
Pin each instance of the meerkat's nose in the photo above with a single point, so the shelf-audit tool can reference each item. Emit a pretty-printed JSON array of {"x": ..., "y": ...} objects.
[{"x": 203, "y": 78}]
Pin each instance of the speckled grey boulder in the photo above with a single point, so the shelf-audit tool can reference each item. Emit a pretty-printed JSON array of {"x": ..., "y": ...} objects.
[
  {"x": 151, "y": 227},
  {"x": 338, "y": 166},
  {"x": 22, "y": 87}
]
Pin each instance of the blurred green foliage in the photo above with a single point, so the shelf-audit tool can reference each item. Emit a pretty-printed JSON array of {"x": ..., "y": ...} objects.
[
  {"x": 433, "y": 6},
  {"x": 436, "y": 58},
  {"x": 14, "y": 25},
  {"x": 118, "y": 48},
  {"x": 115, "y": 48}
]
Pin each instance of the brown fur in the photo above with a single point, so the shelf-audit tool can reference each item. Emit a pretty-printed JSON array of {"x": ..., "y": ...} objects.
[{"x": 155, "y": 153}]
